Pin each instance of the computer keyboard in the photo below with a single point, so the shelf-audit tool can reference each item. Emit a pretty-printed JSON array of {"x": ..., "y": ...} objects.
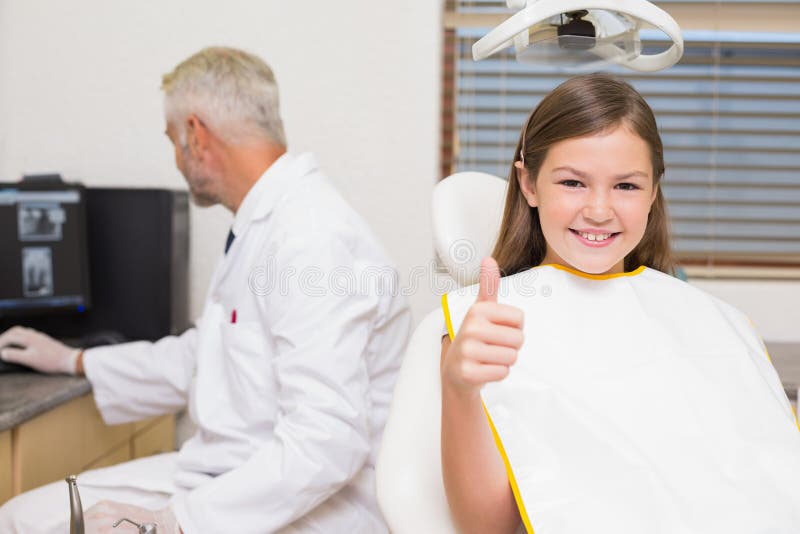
[
  {"x": 87, "y": 341},
  {"x": 99, "y": 338},
  {"x": 6, "y": 367}
]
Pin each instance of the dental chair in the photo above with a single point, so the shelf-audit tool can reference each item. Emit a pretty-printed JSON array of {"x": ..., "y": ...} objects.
[{"x": 467, "y": 211}]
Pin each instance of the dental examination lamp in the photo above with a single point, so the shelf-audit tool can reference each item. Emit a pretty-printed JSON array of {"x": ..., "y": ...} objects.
[{"x": 583, "y": 33}]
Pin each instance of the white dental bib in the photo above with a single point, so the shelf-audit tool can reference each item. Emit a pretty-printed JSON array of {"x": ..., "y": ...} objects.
[{"x": 639, "y": 405}]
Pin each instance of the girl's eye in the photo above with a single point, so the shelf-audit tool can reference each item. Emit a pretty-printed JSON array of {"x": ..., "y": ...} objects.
[
  {"x": 627, "y": 186},
  {"x": 570, "y": 183}
]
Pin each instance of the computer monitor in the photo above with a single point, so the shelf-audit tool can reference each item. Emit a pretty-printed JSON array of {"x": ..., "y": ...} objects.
[{"x": 43, "y": 249}]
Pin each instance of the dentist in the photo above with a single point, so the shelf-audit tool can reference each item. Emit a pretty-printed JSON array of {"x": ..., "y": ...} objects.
[{"x": 288, "y": 372}]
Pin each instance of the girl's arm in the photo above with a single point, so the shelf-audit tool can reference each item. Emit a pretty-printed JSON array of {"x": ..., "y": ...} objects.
[
  {"x": 486, "y": 345},
  {"x": 475, "y": 479}
]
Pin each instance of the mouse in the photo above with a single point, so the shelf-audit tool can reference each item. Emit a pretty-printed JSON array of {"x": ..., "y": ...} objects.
[{"x": 9, "y": 367}]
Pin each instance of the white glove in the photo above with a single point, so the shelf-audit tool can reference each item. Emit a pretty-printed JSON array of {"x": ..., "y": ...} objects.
[
  {"x": 100, "y": 518},
  {"x": 38, "y": 351}
]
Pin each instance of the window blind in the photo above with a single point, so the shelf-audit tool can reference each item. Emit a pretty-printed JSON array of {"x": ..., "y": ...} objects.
[{"x": 729, "y": 117}]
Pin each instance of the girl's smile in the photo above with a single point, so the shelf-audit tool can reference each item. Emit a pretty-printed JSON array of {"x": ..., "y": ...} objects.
[{"x": 594, "y": 238}]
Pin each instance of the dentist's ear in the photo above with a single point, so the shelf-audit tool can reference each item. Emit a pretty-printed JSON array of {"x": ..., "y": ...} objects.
[
  {"x": 523, "y": 179},
  {"x": 197, "y": 135}
]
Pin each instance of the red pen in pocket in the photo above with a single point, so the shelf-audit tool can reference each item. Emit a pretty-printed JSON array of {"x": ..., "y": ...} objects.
[{"x": 233, "y": 316}]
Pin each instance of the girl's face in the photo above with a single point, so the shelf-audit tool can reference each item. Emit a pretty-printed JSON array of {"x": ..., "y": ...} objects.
[{"x": 594, "y": 195}]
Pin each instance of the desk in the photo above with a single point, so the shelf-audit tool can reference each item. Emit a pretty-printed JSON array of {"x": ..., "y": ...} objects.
[
  {"x": 50, "y": 427},
  {"x": 786, "y": 359}
]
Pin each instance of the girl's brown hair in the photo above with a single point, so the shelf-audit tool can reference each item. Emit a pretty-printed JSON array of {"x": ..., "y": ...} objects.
[{"x": 583, "y": 105}]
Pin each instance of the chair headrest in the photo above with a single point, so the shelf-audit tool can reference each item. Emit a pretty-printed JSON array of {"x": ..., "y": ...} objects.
[{"x": 467, "y": 212}]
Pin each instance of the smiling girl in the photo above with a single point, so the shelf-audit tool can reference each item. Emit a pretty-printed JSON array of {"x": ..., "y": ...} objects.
[{"x": 587, "y": 390}]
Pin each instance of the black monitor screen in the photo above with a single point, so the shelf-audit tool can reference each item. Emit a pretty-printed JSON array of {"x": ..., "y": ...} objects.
[{"x": 43, "y": 256}]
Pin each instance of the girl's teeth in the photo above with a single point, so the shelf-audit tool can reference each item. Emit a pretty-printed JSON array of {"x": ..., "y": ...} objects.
[{"x": 594, "y": 237}]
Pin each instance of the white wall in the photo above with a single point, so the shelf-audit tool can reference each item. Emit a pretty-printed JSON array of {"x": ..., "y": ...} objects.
[
  {"x": 772, "y": 305},
  {"x": 79, "y": 94},
  {"x": 360, "y": 87}
]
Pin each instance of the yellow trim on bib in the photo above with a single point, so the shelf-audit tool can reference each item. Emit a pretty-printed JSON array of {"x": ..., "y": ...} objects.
[
  {"x": 794, "y": 412},
  {"x": 582, "y": 274},
  {"x": 760, "y": 339},
  {"x": 447, "y": 321},
  {"x": 523, "y": 514}
]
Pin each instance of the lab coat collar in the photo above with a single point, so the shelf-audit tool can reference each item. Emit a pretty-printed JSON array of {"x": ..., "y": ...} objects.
[
  {"x": 259, "y": 201},
  {"x": 267, "y": 191}
]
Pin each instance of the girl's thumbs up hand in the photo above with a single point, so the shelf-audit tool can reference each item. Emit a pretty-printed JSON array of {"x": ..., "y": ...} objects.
[
  {"x": 487, "y": 343},
  {"x": 489, "y": 281}
]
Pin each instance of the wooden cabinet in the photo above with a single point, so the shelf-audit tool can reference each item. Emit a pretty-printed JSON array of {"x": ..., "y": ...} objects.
[
  {"x": 5, "y": 466},
  {"x": 156, "y": 438},
  {"x": 73, "y": 438},
  {"x": 119, "y": 454}
]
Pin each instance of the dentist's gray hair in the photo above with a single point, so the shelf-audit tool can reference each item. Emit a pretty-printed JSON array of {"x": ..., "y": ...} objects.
[{"x": 233, "y": 92}]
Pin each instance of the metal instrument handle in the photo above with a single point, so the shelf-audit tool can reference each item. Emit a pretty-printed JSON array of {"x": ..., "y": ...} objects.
[{"x": 75, "y": 508}]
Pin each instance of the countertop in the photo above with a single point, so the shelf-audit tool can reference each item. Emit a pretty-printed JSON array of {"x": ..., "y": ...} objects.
[
  {"x": 786, "y": 359},
  {"x": 23, "y": 396}
]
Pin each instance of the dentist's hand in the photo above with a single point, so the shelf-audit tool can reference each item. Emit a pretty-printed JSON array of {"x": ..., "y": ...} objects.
[
  {"x": 487, "y": 343},
  {"x": 37, "y": 350},
  {"x": 100, "y": 518}
]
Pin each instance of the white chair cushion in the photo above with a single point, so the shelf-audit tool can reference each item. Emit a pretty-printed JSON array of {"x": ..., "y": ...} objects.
[
  {"x": 467, "y": 212},
  {"x": 409, "y": 469}
]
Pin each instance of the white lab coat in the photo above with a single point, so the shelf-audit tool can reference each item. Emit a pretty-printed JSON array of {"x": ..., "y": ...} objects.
[{"x": 289, "y": 400}]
